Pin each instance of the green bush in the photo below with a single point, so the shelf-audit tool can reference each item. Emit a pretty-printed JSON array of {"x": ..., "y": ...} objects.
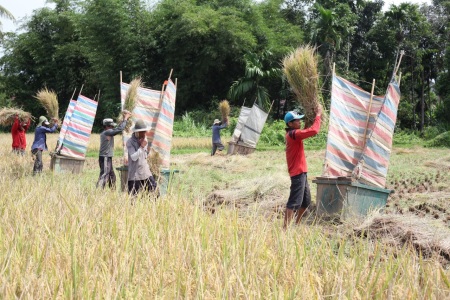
[
  {"x": 273, "y": 133},
  {"x": 431, "y": 132},
  {"x": 187, "y": 126},
  {"x": 442, "y": 140},
  {"x": 406, "y": 137}
]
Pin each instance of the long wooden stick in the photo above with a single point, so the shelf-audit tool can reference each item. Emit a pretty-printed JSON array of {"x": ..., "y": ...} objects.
[
  {"x": 98, "y": 95},
  {"x": 399, "y": 61},
  {"x": 270, "y": 108},
  {"x": 399, "y": 78},
  {"x": 122, "y": 104},
  {"x": 81, "y": 89},
  {"x": 71, "y": 98},
  {"x": 368, "y": 113}
]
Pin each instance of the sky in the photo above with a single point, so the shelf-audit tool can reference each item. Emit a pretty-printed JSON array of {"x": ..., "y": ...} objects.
[{"x": 24, "y": 8}]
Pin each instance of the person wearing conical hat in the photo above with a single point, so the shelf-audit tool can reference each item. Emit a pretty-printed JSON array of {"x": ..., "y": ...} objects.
[
  {"x": 40, "y": 141},
  {"x": 139, "y": 175},
  {"x": 216, "y": 141},
  {"x": 106, "y": 153}
]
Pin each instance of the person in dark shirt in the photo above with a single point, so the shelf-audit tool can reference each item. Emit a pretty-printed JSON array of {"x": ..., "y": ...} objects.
[
  {"x": 40, "y": 141},
  {"x": 106, "y": 153},
  {"x": 300, "y": 195},
  {"x": 216, "y": 141}
]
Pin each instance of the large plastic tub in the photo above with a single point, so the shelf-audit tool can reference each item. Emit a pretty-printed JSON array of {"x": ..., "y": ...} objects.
[
  {"x": 341, "y": 197},
  {"x": 60, "y": 164},
  {"x": 164, "y": 181}
]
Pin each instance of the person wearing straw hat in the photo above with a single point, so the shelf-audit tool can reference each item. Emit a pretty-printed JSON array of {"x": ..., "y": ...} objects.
[
  {"x": 300, "y": 195},
  {"x": 106, "y": 153},
  {"x": 40, "y": 141},
  {"x": 18, "y": 131},
  {"x": 139, "y": 175},
  {"x": 216, "y": 141}
]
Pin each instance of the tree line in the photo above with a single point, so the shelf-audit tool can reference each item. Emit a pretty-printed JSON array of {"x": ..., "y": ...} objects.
[{"x": 228, "y": 49}]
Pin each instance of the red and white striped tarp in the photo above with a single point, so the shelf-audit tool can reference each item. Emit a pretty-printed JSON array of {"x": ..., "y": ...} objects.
[
  {"x": 79, "y": 128},
  {"x": 146, "y": 108},
  {"x": 347, "y": 126},
  {"x": 65, "y": 123},
  {"x": 373, "y": 166},
  {"x": 162, "y": 141}
]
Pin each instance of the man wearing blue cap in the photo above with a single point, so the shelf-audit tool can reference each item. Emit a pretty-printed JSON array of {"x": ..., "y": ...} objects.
[{"x": 300, "y": 195}]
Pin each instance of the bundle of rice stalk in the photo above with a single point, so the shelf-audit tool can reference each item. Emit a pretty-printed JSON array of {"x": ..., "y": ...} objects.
[
  {"x": 301, "y": 70},
  {"x": 49, "y": 101},
  {"x": 154, "y": 161},
  {"x": 8, "y": 114},
  {"x": 224, "y": 108},
  {"x": 130, "y": 100}
]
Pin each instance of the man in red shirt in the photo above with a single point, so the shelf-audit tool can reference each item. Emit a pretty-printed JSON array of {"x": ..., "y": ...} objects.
[
  {"x": 18, "y": 131},
  {"x": 300, "y": 195}
]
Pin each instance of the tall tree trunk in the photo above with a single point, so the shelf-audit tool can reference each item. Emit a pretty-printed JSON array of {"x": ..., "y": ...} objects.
[
  {"x": 422, "y": 103},
  {"x": 412, "y": 94}
]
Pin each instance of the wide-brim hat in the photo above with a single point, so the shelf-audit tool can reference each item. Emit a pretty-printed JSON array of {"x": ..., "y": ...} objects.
[
  {"x": 43, "y": 121},
  {"x": 140, "y": 126},
  {"x": 216, "y": 121}
]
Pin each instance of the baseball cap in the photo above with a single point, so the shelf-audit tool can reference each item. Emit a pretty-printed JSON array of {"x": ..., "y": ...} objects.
[{"x": 291, "y": 116}]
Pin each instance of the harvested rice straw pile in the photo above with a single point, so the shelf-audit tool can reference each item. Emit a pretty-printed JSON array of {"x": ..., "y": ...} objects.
[
  {"x": 224, "y": 108},
  {"x": 49, "y": 101},
  {"x": 301, "y": 70},
  {"x": 7, "y": 115},
  {"x": 130, "y": 100}
]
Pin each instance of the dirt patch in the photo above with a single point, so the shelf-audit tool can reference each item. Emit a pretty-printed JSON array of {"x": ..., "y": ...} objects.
[{"x": 427, "y": 237}]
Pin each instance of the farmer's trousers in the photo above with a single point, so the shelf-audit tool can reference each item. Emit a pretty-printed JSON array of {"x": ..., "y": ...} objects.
[
  {"x": 107, "y": 175},
  {"x": 37, "y": 168}
]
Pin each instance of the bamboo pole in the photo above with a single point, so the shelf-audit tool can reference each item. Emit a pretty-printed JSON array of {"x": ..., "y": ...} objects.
[
  {"x": 71, "y": 98},
  {"x": 399, "y": 78},
  {"x": 122, "y": 104},
  {"x": 368, "y": 113},
  {"x": 81, "y": 89},
  {"x": 402, "y": 52},
  {"x": 98, "y": 96},
  {"x": 270, "y": 108}
]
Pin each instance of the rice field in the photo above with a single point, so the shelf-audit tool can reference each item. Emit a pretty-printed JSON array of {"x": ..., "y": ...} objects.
[{"x": 217, "y": 233}]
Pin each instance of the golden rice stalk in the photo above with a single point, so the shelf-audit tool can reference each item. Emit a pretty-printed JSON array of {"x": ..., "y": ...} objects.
[
  {"x": 224, "y": 108},
  {"x": 301, "y": 70},
  {"x": 154, "y": 161},
  {"x": 130, "y": 100},
  {"x": 48, "y": 100},
  {"x": 7, "y": 115}
]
